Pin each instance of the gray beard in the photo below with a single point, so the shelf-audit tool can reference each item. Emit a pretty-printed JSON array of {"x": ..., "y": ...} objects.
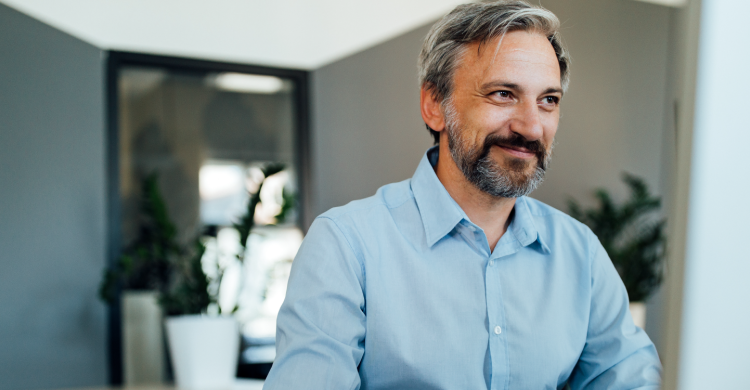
[{"x": 483, "y": 172}]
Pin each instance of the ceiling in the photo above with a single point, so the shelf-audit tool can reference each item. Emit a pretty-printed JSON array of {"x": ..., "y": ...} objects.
[{"x": 302, "y": 34}]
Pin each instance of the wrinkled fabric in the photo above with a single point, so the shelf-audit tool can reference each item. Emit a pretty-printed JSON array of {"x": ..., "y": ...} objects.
[{"x": 401, "y": 291}]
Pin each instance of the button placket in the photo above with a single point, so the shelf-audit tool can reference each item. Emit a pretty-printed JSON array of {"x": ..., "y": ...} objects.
[{"x": 497, "y": 341}]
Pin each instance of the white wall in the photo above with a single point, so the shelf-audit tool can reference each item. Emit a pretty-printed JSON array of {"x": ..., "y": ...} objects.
[
  {"x": 711, "y": 297},
  {"x": 52, "y": 207}
]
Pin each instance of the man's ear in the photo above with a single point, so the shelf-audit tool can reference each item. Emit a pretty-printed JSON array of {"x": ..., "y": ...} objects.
[{"x": 432, "y": 112}]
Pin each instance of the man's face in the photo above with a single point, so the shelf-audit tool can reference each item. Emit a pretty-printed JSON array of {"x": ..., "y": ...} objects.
[{"x": 503, "y": 114}]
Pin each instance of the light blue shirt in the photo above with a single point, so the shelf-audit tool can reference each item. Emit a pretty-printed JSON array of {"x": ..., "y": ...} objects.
[{"x": 401, "y": 291}]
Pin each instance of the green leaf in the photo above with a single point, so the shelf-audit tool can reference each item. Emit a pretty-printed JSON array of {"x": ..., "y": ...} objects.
[{"x": 631, "y": 233}]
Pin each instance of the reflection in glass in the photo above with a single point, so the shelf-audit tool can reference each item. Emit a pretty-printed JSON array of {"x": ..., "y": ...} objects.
[{"x": 207, "y": 137}]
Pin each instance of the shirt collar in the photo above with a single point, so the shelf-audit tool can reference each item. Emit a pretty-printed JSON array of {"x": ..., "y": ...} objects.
[
  {"x": 440, "y": 213},
  {"x": 523, "y": 228}
]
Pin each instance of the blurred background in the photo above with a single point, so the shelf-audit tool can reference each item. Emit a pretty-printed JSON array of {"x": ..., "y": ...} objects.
[{"x": 261, "y": 115}]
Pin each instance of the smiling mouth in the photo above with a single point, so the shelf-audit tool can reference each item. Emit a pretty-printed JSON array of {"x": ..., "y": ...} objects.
[{"x": 517, "y": 152}]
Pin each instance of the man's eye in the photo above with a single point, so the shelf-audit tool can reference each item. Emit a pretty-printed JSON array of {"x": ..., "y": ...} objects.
[
  {"x": 550, "y": 100},
  {"x": 503, "y": 94}
]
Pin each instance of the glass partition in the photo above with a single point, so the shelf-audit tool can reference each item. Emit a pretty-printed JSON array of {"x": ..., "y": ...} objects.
[{"x": 207, "y": 134}]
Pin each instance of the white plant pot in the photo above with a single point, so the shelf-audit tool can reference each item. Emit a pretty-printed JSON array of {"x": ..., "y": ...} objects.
[
  {"x": 143, "y": 338},
  {"x": 204, "y": 351},
  {"x": 638, "y": 312}
]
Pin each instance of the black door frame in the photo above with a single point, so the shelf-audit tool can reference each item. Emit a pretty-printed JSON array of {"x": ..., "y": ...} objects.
[{"x": 115, "y": 61}]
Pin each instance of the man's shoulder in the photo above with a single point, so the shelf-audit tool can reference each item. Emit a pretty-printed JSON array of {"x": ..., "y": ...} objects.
[
  {"x": 552, "y": 218},
  {"x": 538, "y": 208},
  {"x": 387, "y": 197},
  {"x": 567, "y": 238}
]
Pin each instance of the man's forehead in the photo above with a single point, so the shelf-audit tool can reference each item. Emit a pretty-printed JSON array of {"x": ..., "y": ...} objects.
[
  {"x": 514, "y": 51},
  {"x": 514, "y": 42}
]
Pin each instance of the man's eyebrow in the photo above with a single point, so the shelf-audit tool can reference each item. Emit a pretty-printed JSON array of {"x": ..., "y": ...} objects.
[
  {"x": 515, "y": 87},
  {"x": 501, "y": 84}
]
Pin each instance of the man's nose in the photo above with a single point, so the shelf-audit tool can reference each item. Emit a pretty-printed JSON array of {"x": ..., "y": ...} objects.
[{"x": 527, "y": 121}]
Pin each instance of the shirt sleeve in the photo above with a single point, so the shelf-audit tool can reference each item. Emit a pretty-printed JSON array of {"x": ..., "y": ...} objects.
[
  {"x": 617, "y": 354},
  {"x": 321, "y": 325}
]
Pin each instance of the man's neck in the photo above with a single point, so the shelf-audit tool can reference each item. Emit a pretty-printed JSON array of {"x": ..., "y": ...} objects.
[{"x": 490, "y": 213}]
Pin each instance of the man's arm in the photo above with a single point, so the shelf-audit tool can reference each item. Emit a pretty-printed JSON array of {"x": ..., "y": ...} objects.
[
  {"x": 321, "y": 325},
  {"x": 617, "y": 354}
]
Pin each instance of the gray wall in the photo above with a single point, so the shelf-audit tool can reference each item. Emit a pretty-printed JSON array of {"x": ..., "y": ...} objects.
[
  {"x": 52, "y": 207},
  {"x": 367, "y": 129},
  {"x": 613, "y": 114}
]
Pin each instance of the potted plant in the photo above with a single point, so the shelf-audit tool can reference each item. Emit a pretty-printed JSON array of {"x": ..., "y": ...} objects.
[
  {"x": 205, "y": 348},
  {"x": 633, "y": 236},
  {"x": 142, "y": 273},
  {"x": 171, "y": 279}
]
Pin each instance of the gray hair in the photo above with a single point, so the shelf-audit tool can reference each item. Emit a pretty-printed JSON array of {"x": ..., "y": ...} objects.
[{"x": 479, "y": 22}]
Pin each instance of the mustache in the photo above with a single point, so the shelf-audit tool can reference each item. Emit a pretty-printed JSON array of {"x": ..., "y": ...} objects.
[{"x": 515, "y": 141}]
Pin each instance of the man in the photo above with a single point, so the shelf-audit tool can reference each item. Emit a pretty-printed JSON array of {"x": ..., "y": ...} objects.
[{"x": 454, "y": 279}]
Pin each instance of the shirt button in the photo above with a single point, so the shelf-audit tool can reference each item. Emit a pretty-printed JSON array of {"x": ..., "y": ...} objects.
[
  {"x": 498, "y": 330},
  {"x": 472, "y": 228},
  {"x": 492, "y": 262}
]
